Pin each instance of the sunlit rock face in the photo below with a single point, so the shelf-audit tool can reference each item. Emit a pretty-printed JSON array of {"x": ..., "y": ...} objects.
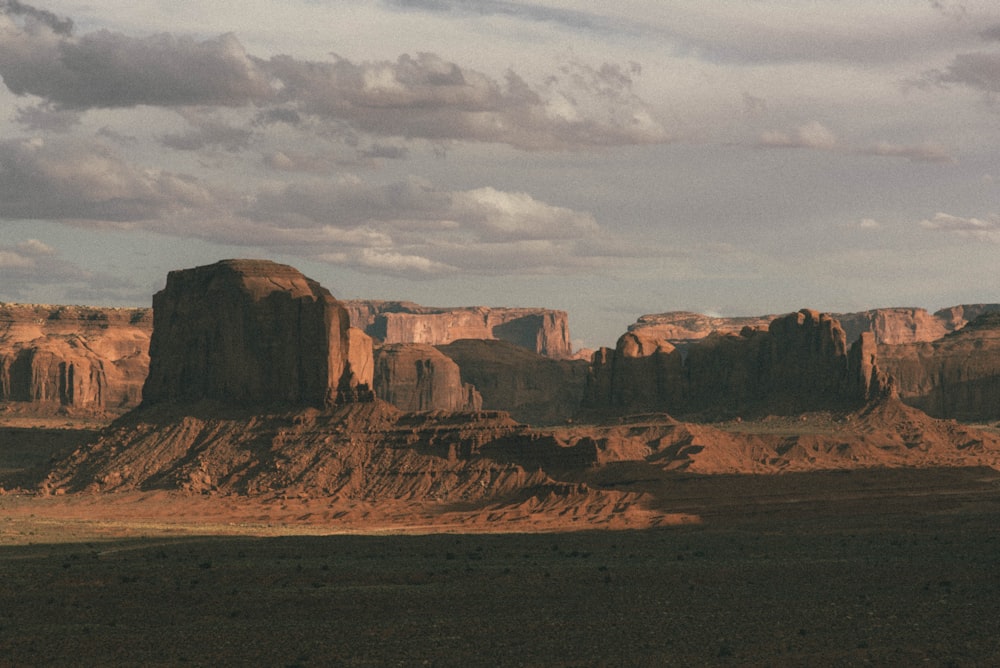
[
  {"x": 251, "y": 333},
  {"x": 956, "y": 376},
  {"x": 544, "y": 331},
  {"x": 75, "y": 359}
]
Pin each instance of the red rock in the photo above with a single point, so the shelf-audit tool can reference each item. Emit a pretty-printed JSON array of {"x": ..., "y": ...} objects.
[
  {"x": 72, "y": 358},
  {"x": 418, "y": 377},
  {"x": 250, "y": 332},
  {"x": 543, "y": 331},
  {"x": 956, "y": 376},
  {"x": 800, "y": 363}
]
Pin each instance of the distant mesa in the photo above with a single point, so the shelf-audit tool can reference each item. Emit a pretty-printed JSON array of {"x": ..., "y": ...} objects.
[
  {"x": 253, "y": 333},
  {"x": 544, "y": 331},
  {"x": 799, "y": 363},
  {"x": 418, "y": 377},
  {"x": 72, "y": 359}
]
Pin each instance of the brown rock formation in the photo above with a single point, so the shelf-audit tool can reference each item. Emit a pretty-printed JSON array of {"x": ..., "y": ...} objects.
[
  {"x": 72, "y": 358},
  {"x": 543, "y": 331},
  {"x": 895, "y": 325},
  {"x": 418, "y": 377},
  {"x": 800, "y": 363},
  {"x": 681, "y": 327},
  {"x": 534, "y": 389},
  {"x": 251, "y": 332},
  {"x": 957, "y": 376},
  {"x": 889, "y": 325}
]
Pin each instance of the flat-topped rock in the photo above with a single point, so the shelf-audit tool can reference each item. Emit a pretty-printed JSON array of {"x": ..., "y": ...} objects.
[{"x": 251, "y": 332}]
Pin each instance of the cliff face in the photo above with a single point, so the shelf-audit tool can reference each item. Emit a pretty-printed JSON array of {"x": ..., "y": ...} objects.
[
  {"x": 957, "y": 376},
  {"x": 889, "y": 325},
  {"x": 72, "y": 358},
  {"x": 252, "y": 332},
  {"x": 418, "y": 377},
  {"x": 800, "y": 363},
  {"x": 534, "y": 389},
  {"x": 543, "y": 331}
]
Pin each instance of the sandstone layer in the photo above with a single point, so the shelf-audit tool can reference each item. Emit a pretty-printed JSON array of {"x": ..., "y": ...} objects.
[
  {"x": 800, "y": 363},
  {"x": 534, "y": 389},
  {"x": 252, "y": 333},
  {"x": 889, "y": 325},
  {"x": 956, "y": 376},
  {"x": 543, "y": 331},
  {"x": 76, "y": 359},
  {"x": 418, "y": 377}
]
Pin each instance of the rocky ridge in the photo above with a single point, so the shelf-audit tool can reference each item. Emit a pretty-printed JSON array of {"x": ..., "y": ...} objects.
[{"x": 800, "y": 363}]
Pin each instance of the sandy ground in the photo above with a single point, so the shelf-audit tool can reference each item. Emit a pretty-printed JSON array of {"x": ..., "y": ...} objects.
[{"x": 877, "y": 567}]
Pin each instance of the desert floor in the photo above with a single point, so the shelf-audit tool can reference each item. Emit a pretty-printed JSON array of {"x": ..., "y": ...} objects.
[{"x": 881, "y": 567}]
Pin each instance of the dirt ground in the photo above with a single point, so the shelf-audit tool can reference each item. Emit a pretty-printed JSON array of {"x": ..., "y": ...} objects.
[
  {"x": 896, "y": 567},
  {"x": 879, "y": 567}
]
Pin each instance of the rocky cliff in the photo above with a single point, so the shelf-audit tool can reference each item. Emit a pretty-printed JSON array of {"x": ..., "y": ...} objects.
[
  {"x": 534, "y": 389},
  {"x": 544, "y": 331},
  {"x": 251, "y": 333},
  {"x": 956, "y": 376},
  {"x": 418, "y": 377},
  {"x": 72, "y": 358},
  {"x": 889, "y": 325},
  {"x": 800, "y": 363}
]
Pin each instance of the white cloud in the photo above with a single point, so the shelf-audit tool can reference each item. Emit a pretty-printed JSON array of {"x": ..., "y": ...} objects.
[
  {"x": 987, "y": 229},
  {"x": 812, "y": 135}
]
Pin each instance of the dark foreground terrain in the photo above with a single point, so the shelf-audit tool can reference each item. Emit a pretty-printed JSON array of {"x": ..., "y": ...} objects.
[{"x": 847, "y": 568}]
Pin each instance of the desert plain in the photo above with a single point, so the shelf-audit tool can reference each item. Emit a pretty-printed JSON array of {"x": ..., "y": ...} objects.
[{"x": 857, "y": 567}]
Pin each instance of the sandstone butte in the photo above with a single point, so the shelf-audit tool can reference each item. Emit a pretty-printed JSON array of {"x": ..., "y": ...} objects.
[{"x": 253, "y": 333}]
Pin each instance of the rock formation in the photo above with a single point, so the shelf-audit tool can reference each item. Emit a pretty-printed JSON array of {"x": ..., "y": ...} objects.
[
  {"x": 956, "y": 376},
  {"x": 534, "y": 389},
  {"x": 252, "y": 333},
  {"x": 679, "y": 328},
  {"x": 543, "y": 331},
  {"x": 72, "y": 358},
  {"x": 801, "y": 363},
  {"x": 889, "y": 325},
  {"x": 418, "y": 377}
]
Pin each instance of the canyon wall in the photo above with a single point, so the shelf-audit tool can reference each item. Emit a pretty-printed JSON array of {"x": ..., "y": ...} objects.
[
  {"x": 889, "y": 325},
  {"x": 250, "y": 333},
  {"x": 76, "y": 359},
  {"x": 418, "y": 377},
  {"x": 956, "y": 376},
  {"x": 800, "y": 363},
  {"x": 543, "y": 331},
  {"x": 534, "y": 389}
]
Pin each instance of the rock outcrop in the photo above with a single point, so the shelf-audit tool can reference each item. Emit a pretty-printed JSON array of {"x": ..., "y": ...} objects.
[
  {"x": 253, "y": 333},
  {"x": 418, "y": 377},
  {"x": 82, "y": 360},
  {"x": 801, "y": 363},
  {"x": 680, "y": 328},
  {"x": 543, "y": 331},
  {"x": 889, "y": 325},
  {"x": 956, "y": 376},
  {"x": 534, "y": 389}
]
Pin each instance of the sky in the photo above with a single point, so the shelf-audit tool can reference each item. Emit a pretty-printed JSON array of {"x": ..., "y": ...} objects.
[{"x": 606, "y": 159}]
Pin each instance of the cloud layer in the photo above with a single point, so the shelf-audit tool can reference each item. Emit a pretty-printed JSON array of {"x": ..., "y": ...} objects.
[{"x": 657, "y": 154}]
